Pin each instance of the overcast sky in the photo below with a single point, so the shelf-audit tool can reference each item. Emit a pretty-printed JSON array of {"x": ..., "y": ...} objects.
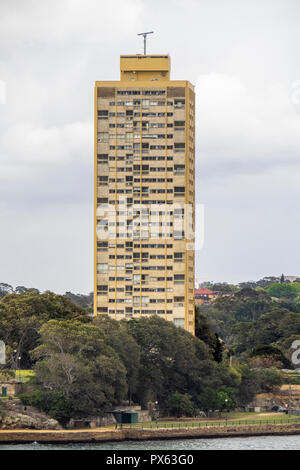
[{"x": 242, "y": 56}]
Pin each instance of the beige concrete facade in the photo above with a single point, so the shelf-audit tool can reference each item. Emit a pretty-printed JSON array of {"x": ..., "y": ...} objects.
[{"x": 144, "y": 193}]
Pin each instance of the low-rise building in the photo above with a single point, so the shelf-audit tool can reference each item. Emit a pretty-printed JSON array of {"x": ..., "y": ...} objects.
[
  {"x": 10, "y": 388},
  {"x": 205, "y": 296}
]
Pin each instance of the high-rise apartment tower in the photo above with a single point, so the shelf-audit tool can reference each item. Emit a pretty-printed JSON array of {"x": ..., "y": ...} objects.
[{"x": 144, "y": 193}]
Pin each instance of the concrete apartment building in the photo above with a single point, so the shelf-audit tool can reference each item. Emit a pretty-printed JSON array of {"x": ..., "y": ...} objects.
[{"x": 144, "y": 193}]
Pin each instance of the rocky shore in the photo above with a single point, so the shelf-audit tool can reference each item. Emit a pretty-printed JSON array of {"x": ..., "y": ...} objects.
[{"x": 14, "y": 415}]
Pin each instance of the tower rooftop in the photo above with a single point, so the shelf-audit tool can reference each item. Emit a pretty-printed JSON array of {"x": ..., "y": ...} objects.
[{"x": 145, "y": 67}]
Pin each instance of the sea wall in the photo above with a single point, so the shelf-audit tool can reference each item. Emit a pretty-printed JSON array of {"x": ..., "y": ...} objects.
[{"x": 101, "y": 435}]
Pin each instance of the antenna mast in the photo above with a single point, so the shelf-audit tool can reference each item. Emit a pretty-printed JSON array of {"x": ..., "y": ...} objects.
[{"x": 145, "y": 39}]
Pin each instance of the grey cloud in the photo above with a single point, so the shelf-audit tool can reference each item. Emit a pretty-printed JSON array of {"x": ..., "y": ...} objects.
[{"x": 242, "y": 57}]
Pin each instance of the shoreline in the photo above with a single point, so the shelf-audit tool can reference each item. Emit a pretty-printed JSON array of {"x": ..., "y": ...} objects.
[{"x": 27, "y": 436}]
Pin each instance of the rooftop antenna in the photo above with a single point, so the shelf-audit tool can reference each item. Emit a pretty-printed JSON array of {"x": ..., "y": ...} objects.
[{"x": 145, "y": 39}]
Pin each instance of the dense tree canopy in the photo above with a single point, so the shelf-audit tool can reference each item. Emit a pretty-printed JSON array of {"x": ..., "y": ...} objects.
[
  {"x": 75, "y": 360},
  {"x": 85, "y": 366},
  {"x": 21, "y": 316},
  {"x": 283, "y": 291}
]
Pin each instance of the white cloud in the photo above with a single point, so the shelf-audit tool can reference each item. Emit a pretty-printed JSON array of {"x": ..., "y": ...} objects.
[
  {"x": 36, "y": 149},
  {"x": 67, "y": 20},
  {"x": 239, "y": 124}
]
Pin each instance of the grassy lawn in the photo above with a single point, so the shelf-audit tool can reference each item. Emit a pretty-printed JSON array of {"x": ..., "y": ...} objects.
[
  {"x": 25, "y": 375},
  {"x": 234, "y": 418}
]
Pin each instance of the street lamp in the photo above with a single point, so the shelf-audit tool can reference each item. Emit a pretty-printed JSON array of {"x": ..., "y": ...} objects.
[
  {"x": 18, "y": 366},
  {"x": 226, "y": 417}
]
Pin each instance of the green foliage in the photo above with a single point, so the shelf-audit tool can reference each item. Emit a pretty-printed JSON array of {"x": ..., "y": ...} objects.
[
  {"x": 283, "y": 291},
  {"x": 75, "y": 359},
  {"x": 91, "y": 365},
  {"x": 53, "y": 403},
  {"x": 226, "y": 399},
  {"x": 250, "y": 318},
  {"x": 248, "y": 386},
  {"x": 179, "y": 404},
  {"x": 119, "y": 338},
  {"x": 208, "y": 399},
  {"x": 268, "y": 380},
  {"x": 211, "y": 399},
  {"x": 84, "y": 366},
  {"x": 223, "y": 287},
  {"x": 202, "y": 329},
  {"x": 171, "y": 360},
  {"x": 218, "y": 351},
  {"x": 277, "y": 354},
  {"x": 6, "y": 375},
  {"x": 84, "y": 301},
  {"x": 22, "y": 315}
]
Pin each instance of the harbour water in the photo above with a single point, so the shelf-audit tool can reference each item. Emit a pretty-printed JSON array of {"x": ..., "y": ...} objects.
[{"x": 235, "y": 443}]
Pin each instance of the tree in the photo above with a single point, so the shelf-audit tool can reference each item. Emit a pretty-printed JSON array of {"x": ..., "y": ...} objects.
[
  {"x": 202, "y": 329},
  {"x": 248, "y": 386},
  {"x": 283, "y": 291},
  {"x": 226, "y": 400},
  {"x": 269, "y": 356},
  {"x": 22, "y": 315},
  {"x": 223, "y": 288},
  {"x": 172, "y": 360},
  {"x": 268, "y": 380},
  {"x": 25, "y": 290},
  {"x": 75, "y": 360},
  {"x": 208, "y": 399},
  {"x": 119, "y": 338},
  {"x": 179, "y": 404},
  {"x": 5, "y": 289},
  {"x": 212, "y": 399},
  {"x": 84, "y": 301},
  {"x": 218, "y": 351},
  {"x": 264, "y": 362}
]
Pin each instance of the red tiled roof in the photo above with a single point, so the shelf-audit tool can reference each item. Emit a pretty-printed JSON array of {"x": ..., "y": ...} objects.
[{"x": 203, "y": 291}]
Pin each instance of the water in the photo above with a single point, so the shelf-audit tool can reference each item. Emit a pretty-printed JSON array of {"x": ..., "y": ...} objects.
[{"x": 227, "y": 443}]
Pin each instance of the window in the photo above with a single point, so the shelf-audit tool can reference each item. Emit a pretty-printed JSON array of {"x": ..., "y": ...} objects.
[
  {"x": 178, "y": 235},
  {"x": 102, "y": 268},
  {"x": 103, "y": 112},
  {"x": 179, "y": 103},
  {"x": 102, "y": 309},
  {"x": 102, "y": 158},
  {"x": 102, "y": 246},
  {"x": 179, "y": 278},
  {"x": 179, "y": 322},
  {"x": 178, "y": 257},
  {"x": 102, "y": 137},
  {"x": 102, "y": 290},
  {"x": 179, "y": 169},
  {"x": 179, "y": 125},
  {"x": 179, "y": 147},
  {"x": 179, "y": 191}
]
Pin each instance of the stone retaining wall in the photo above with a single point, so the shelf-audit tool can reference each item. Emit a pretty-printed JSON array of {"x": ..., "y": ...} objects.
[{"x": 146, "y": 434}]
